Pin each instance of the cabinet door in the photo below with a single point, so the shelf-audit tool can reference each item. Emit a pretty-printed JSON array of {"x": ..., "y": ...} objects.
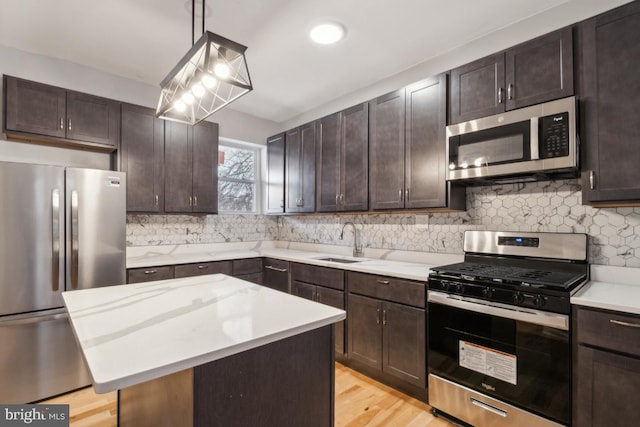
[
  {"x": 93, "y": 119},
  {"x": 303, "y": 290},
  {"x": 328, "y": 163},
  {"x": 200, "y": 269},
  {"x": 386, "y": 155},
  {"x": 293, "y": 151},
  {"x": 247, "y": 266},
  {"x": 606, "y": 388},
  {"x": 34, "y": 107},
  {"x": 404, "y": 343},
  {"x": 178, "y": 168},
  {"x": 540, "y": 70},
  {"x": 354, "y": 159},
  {"x": 275, "y": 174},
  {"x": 365, "y": 333},
  {"x": 142, "y": 157},
  {"x": 425, "y": 144},
  {"x": 477, "y": 89},
  {"x": 610, "y": 95},
  {"x": 334, "y": 299},
  {"x": 205, "y": 167},
  {"x": 308, "y": 167},
  {"x": 276, "y": 274}
]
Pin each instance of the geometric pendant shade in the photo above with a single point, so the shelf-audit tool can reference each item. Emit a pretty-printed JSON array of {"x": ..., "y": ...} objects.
[{"x": 212, "y": 74}]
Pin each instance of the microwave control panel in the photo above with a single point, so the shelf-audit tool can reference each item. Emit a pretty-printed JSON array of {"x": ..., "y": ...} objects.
[{"x": 554, "y": 135}]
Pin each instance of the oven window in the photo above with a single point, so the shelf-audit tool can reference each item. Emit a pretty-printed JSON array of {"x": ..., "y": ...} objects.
[
  {"x": 503, "y": 144},
  {"x": 535, "y": 360}
]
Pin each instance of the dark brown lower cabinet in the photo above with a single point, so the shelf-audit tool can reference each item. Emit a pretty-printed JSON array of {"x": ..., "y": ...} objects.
[
  {"x": 276, "y": 274},
  {"x": 200, "y": 269},
  {"x": 245, "y": 269},
  {"x": 148, "y": 274},
  {"x": 607, "y": 369}
]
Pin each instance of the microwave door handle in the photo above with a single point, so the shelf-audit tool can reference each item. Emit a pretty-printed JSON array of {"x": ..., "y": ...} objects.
[{"x": 535, "y": 148}]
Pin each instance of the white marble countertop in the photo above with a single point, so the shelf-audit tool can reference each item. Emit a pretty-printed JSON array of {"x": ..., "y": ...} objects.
[
  {"x": 134, "y": 333},
  {"x": 401, "y": 264},
  {"x": 611, "y": 288}
]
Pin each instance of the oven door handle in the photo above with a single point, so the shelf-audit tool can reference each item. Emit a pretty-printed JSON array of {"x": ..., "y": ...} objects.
[{"x": 552, "y": 320}]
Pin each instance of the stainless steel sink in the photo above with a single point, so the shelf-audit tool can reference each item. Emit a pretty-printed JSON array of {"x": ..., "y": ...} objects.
[{"x": 342, "y": 260}]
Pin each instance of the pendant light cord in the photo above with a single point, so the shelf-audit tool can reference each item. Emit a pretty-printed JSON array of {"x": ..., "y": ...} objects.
[{"x": 193, "y": 20}]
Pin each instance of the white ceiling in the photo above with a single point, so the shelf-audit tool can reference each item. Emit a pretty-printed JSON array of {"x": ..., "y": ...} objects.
[{"x": 144, "y": 39}]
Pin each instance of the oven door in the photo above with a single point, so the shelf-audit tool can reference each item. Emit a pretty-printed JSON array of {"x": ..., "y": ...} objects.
[{"x": 518, "y": 356}]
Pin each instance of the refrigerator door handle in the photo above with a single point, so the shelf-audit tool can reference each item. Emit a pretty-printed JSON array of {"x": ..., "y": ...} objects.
[
  {"x": 30, "y": 319},
  {"x": 74, "y": 239},
  {"x": 55, "y": 238}
]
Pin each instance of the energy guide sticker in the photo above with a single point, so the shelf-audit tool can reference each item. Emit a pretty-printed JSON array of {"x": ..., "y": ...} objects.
[{"x": 493, "y": 363}]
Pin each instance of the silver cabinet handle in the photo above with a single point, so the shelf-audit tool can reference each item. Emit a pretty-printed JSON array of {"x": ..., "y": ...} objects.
[
  {"x": 406, "y": 194},
  {"x": 69, "y": 127},
  {"x": 157, "y": 200},
  {"x": 488, "y": 407},
  {"x": 195, "y": 200},
  {"x": 203, "y": 267},
  {"x": 61, "y": 122},
  {"x": 628, "y": 324},
  {"x": 282, "y": 203},
  {"x": 190, "y": 201},
  {"x": 500, "y": 96},
  {"x": 592, "y": 180},
  {"x": 318, "y": 296},
  {"x": 150, "y": 271},
  {"x": 342, "y": 198},
  {"x": 281, "y": 270},
  {"x": 55, "y": 239},
  {"x": 384, "y": 317},
  {"x": 382, "y": 282},
  {"x": 400, "y": 193},
  {"x": 337, "y": 199},
  {"x": 510, "y": 91},
  {"x": 74, "y": 239},
  {"x": 378, "y": 316}
]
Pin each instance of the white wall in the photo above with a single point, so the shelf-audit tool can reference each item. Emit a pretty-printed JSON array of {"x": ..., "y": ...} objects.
[
  {"x": 570, "y": 12},
  {"x": 68, "y": 75}
]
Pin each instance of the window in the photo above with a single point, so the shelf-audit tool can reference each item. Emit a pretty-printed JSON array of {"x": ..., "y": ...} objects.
[{"x": 237, "y": 176}]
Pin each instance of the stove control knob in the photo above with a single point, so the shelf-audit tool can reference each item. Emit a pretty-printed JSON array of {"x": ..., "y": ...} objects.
[
  {"x": 444, "y": 284},
  {"x": 452, "y": 287},
  {"x": 517, "y": 298},
  {"x": 487, "y": 292},
  {"x": 540, "y": 301},
  {"x": 459, "y": 288}
]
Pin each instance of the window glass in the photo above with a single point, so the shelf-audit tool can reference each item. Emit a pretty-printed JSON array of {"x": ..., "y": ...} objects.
[{"x": 237, "y": 172}]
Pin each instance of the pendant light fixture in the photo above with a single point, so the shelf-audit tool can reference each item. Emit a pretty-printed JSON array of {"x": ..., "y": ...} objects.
[{"x": 211, "y": 75}]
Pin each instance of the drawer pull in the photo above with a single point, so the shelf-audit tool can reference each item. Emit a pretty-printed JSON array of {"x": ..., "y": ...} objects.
[
  {"x": 150, "y": 271},
  {"x": 621, "y": 323},
  {"x": 383, "y": 282},
  {"x": 202, "y": 267},
  {"x": 281, "y": 270}
]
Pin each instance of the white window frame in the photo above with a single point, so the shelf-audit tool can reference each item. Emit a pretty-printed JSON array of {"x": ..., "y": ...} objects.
[{"x": 257, "y": 182}]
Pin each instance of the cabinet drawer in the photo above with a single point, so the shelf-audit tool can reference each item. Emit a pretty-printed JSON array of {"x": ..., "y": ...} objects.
[
  {"x": 323, "y": 276},
  {"x": 276, "y": 265},
  {"x": 188, "y": 270},
  {"x": 138, "y": 275},
  {"x": 609, "y": 329},
  {"x": 387, "y": 288},
  {"x": 247, "y": 266}
]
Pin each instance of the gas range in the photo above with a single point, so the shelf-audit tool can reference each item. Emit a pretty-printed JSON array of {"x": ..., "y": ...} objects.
[{"x": 534, "y": 270}]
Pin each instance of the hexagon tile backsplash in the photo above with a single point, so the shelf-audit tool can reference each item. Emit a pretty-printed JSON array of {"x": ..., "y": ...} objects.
[{"x": 540, "y": 206}]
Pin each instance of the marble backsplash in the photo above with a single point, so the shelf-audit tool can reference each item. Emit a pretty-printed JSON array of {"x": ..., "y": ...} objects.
[{"x": 553, "y": 206}]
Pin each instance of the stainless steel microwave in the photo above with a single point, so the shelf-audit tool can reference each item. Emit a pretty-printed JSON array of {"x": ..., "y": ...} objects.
[{"x": 528, "y": 144}]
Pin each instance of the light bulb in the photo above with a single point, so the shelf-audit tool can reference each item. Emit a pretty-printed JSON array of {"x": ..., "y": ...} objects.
[
  {"x": 221, "y": 70},
  {"x": 179, "y": 105},
  {"x": 197, "y": 90},
  {"x": 187, "y": 98},
  {"x": 328, "y": 33},
  {"x": 209, "y": 82}
]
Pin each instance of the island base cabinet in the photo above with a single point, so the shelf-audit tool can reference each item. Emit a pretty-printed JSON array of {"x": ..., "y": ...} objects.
[{"x": 289, "y": 382}]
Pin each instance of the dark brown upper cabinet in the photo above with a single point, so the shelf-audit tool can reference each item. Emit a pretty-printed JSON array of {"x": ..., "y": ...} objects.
[
  {"x": 42, "y": 113},
  {"x": 142, "y": 158},
  {"x": 407, "y": 149},
  {"x": 191, "y": 168},
  {"x": 532, "y": 72},
  {"x": 609, "y": 91},
  {"x": 300, "y": 161},
  {"x": 275, "y": 174},
  {"x": 342, "y": 160}
]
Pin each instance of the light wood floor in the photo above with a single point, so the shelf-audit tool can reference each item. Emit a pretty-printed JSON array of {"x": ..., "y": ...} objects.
[{"x": 360, "y": 401}]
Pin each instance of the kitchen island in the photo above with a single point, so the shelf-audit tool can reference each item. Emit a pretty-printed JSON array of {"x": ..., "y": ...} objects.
[{"x": 208, "y": 351}]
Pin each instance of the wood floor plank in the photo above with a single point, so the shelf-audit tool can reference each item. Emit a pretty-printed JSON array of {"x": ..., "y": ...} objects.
[{"x": 360, "y": 402}]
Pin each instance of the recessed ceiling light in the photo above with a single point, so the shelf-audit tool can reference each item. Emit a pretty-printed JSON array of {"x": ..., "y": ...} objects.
[{"x": 327, "y": 33}]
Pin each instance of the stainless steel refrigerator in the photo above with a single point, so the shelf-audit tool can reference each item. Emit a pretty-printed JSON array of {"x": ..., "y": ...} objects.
[{"x": 60, "y": 229}]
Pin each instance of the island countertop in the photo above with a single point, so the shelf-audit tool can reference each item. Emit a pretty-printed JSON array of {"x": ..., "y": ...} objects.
[{"x": 135, "y": 333}]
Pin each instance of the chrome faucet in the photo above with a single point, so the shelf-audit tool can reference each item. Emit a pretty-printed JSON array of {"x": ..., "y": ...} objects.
[{"x": 357, "y": 246}]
